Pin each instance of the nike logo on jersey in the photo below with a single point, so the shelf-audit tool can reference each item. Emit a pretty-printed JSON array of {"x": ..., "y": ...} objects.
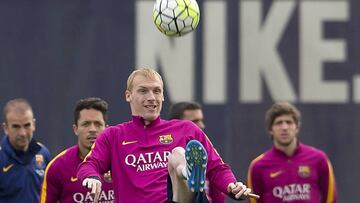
[
  {"x": 129, "y": 142},
  {"x": 73, "y": 179},
  {"x": 7, "y": 168},
  {"x": 275, "y": 174}
]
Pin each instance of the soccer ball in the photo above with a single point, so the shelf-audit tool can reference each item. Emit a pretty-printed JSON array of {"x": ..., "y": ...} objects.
[{"x": 176, "y": 17}]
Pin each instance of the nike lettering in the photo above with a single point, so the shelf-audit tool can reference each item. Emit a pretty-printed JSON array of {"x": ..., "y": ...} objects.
[
  {"x": 73, "y": 179},
  {"x": 129, "y": 142},
  {"x": 7, "y": 168},
  {"x": 275, "y": 174}
]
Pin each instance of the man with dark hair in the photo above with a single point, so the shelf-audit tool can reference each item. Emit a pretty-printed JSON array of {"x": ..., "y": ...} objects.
[
  {"x": 144, "y": 152},
  {"x": 290, "y": 171},
  {"x": 193, "y": 111},
  {"x": 188, "y": 111},
  {"x": 60, "y": 182},
  {"x": 22, "y": 159}
]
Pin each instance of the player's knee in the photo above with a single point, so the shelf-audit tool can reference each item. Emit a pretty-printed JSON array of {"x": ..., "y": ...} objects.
[
  {"x": 178, "y": 151},
  {"x": 176, "y": 158}
]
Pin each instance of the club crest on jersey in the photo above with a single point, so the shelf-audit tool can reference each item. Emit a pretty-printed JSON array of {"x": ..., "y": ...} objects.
[
  {"x": 39, "y": 159},
  {"x": 165, "y": 139},
  {"x": 304, "y": 171}
]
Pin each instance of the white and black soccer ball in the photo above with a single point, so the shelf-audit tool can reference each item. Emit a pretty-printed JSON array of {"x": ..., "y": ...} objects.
[{"x": 176, "y": 17}]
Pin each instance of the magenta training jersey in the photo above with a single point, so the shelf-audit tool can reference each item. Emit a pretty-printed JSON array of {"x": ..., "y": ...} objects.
[
  {"x": 60, "y": 182},
  {"x": 305, "y": 177},
  {"x": 138, "y": 157}
]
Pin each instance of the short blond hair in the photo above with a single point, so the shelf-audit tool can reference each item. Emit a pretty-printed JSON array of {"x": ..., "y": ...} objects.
[{"x": 146, "y": 72}]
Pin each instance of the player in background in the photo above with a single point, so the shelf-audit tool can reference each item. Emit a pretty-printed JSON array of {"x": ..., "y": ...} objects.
[
  {"x": 22, "y": 159},
  {"x": 144, "y": 151},
  {"x": 193, "y": 111},
  {"x": 290, "y": 171},
  {"x": 60, "y": 182}
]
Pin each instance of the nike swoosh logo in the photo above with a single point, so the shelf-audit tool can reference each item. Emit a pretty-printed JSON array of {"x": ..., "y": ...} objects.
[
  {"x": 129, "y": 142},
  {"x": 73, "y": 179},
  {"x": 7, "y": 168},
  {"x": 275, "y": 174}
]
